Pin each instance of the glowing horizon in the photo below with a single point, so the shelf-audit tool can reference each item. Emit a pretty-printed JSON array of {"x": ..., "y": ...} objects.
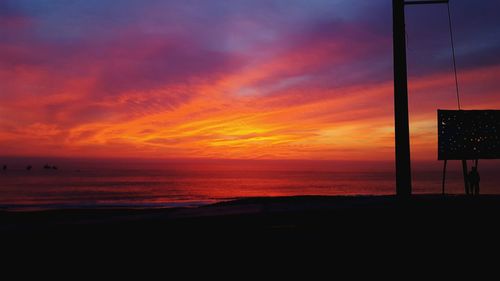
[{"x": 231, "y": 79}]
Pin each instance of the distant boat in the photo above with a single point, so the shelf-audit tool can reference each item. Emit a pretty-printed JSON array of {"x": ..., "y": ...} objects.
[
  {"x": 54, "y": 167},
  {"x": 28, "y": 167},
  {"x": 47, "y": 166}
]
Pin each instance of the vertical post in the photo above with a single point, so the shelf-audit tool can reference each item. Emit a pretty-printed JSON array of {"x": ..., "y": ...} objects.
[
  {"x": 465, "y": 171},
  {"x": 476, "y": 189},
  {"x": 444, "y": 176},
  {"x": 402, "y": 131}
]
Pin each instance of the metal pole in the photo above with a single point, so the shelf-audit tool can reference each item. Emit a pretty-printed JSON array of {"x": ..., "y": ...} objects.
[
  {"x": 426, "y": 2},
  {"x": 444, "y": 175},
  {"x": 465, "y": 171},
  {"x": 402, "y": 131}
]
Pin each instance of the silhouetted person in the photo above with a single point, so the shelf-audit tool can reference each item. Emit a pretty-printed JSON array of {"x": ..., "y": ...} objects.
[
  {"x": 474, "y": 180},
  {"x": 28, "y": 167},
  {"x": 4, "y": 167}
]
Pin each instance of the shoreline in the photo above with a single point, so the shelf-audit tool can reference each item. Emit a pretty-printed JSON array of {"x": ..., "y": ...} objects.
[
  {"x": 334, "y": 207},
  {"x": 345, "y": 223}
]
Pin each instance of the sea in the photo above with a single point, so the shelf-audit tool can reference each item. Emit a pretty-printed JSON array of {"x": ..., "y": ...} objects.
[{"x": 62, "y": 183}]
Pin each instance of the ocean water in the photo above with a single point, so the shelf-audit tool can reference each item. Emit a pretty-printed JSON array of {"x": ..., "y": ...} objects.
[{"x": 141, "y": 184}]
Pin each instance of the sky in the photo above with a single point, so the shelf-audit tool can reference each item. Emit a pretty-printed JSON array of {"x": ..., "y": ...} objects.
[{"x": 259, "y": 79}]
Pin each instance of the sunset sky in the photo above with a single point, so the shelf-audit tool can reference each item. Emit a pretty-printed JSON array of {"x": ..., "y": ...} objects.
[{"x": 263, "y": 79}]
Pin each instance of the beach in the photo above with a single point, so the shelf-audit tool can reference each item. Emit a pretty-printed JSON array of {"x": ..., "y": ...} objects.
[{"x": 301, "y": 217}]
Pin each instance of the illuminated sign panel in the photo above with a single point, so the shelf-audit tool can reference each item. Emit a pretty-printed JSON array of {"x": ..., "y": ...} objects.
[{"x": 468, "y": 134}]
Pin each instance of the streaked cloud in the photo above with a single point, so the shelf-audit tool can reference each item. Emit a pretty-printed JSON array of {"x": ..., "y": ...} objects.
[{"x": 228, "y": 79}]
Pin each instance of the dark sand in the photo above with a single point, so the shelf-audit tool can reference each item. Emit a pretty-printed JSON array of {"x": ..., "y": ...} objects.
[
  {"x": 281, "y": 235},
  {"x": 304, "y": 217},
  {"x": 427, "y": 229}
]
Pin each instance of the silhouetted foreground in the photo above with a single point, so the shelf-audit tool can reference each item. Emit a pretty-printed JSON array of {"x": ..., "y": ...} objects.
[{"x": 371, "y": 220}]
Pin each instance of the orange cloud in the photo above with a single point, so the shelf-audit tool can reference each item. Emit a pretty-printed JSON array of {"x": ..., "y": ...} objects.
[{"x": 279, "y": 105}]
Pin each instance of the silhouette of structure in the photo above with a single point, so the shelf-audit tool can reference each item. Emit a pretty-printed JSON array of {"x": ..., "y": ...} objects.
[
  {"x": 474, "y": 180},
  {"x": 402, "y": 132},
  {"x": 468, "y": 135}
]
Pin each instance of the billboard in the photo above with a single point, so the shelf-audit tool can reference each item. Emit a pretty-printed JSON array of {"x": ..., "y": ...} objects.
[{"x": 468, "y": 134}]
